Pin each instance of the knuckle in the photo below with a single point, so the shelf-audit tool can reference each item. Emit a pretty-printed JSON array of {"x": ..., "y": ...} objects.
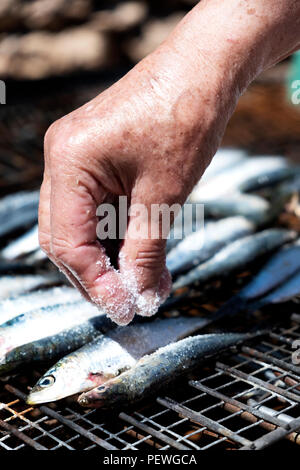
[
  {"x": 59, "y": 139},
  {"x": 51, "y": 133}
]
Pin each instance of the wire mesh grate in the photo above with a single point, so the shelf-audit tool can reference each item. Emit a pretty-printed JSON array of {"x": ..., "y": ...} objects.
[{"x": 248, "y": 398}]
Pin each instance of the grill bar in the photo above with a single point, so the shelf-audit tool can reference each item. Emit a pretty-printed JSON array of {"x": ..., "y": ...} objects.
[
  {"x": 20, "y": 435},
  {"x": 293, "y": 436},
  {"x": 29, "y": 424},
  {"x": 153, "y": 432},
  {"x": 87, "y": 434},
  {"x": 199, "y": 418},
  {"x": 237, "y": 404},
  {"x": 256, "y": 381},
  {"x": 271, "y": 360},
  {"x": 274, "y": 436},
  {"x": 281, "y": 338},
  {"x": 242, "y": 388},
  {"x": 292, "y": 383}
]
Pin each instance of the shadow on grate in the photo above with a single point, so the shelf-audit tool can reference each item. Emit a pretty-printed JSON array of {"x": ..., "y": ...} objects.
[{"x": 246, "y": 399}]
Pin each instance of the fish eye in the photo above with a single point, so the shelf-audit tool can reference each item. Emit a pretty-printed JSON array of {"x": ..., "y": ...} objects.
[{"x": 47, "y": 381}]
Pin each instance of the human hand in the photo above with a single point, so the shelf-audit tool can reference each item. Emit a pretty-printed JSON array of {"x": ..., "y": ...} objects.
[{"x": 149, "y": 137}]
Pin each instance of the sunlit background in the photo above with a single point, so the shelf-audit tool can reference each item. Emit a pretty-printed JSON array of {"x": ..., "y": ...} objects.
[{"x": 57, "y": 54}]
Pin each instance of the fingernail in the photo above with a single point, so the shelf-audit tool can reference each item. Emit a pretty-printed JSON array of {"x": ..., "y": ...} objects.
[
  {"x": 147, "y": 303},
  {"x": 114, "y": 299}
]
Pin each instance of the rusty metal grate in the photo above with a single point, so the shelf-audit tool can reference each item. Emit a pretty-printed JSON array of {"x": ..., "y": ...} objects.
[{"x": 246, "y": 399}]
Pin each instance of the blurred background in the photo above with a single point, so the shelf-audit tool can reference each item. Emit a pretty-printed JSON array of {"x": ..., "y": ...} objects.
[{"x": 57, "y": 54}]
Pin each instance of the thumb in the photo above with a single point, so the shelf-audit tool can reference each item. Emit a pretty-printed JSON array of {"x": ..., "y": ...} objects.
[{"x": 142, "y": 258}]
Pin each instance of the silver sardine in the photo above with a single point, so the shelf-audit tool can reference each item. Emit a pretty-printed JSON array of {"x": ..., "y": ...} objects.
[
  {"x": 281, "y": 266},
  {"x": 108, "y": 356},
  {"x": 18, "y": 210},
  {"x": 43, "y": 322},
  {"x": 201, "y": 245},
  {"x": 237, "y": 255},
  {"x": 158, "y": 369},
  {"x": 13, "y": 285},
  {"x": 255, "y": 173},
  {"x": 14, "y": 306},
  {"x": 287, "y": 291},
  {"x": 27, "y": 243},
  {"x": 253, "y": 207}
]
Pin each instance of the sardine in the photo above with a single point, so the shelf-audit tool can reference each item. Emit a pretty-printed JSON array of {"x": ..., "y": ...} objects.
[
  {"x": 14, "y": 267},
  {"x": 224, "y": 159},
  {"x": 287, "y": 291},
  {"x": 201, "y": 245},
  {"x": 56, "y": 346},
  {"x": 18, "y": 210},
  {"x": 27, "y": 243},
  {"x": 255, "y": 173},
  {"x": 16, "y": 284},
  {"x": 35, "y": 258},
  {"x": 158, "y": 369},
  {"x": 187, "y": 221},
  {"x": 108, "y": 356},
  {"x": 237, "y": 255},
  {"x": 14, "y": 306},
  {"x": 27, "y": 265},
  {"x": 277, "y": 270},
  {"x": 290, "y": 187},
  {"x": 46, "y": 321},
  {"x": 253, "y": 207}
]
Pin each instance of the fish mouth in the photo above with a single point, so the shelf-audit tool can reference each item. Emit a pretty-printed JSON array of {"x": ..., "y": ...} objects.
[
  {"x": 91, "y": 400},
  {"x": 35, "y": 399},
  {"x": 38, "y": 396}
]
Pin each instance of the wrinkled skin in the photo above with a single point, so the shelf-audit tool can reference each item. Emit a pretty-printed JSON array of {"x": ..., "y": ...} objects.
[{"x": 150, "y": 137}]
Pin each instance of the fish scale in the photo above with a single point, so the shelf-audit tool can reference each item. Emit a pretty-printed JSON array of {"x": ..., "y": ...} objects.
[
  {"x": 57, "y": 345},
  {"x": 251, "y": 206}
]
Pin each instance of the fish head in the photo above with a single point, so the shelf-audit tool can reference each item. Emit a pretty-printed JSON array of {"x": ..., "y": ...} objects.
[
  {"x": 57, "y": 383},
  {"x": 95, "y": 398},
  {"x": 45, "y": 390},
  {"x": 107, "y": 394},
  {"x": 63, "y": 380},
  {"x": 49, "y": 388}
]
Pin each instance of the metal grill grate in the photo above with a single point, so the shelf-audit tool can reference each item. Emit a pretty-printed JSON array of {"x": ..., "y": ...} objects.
[{"x": 246, "y": 399}]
